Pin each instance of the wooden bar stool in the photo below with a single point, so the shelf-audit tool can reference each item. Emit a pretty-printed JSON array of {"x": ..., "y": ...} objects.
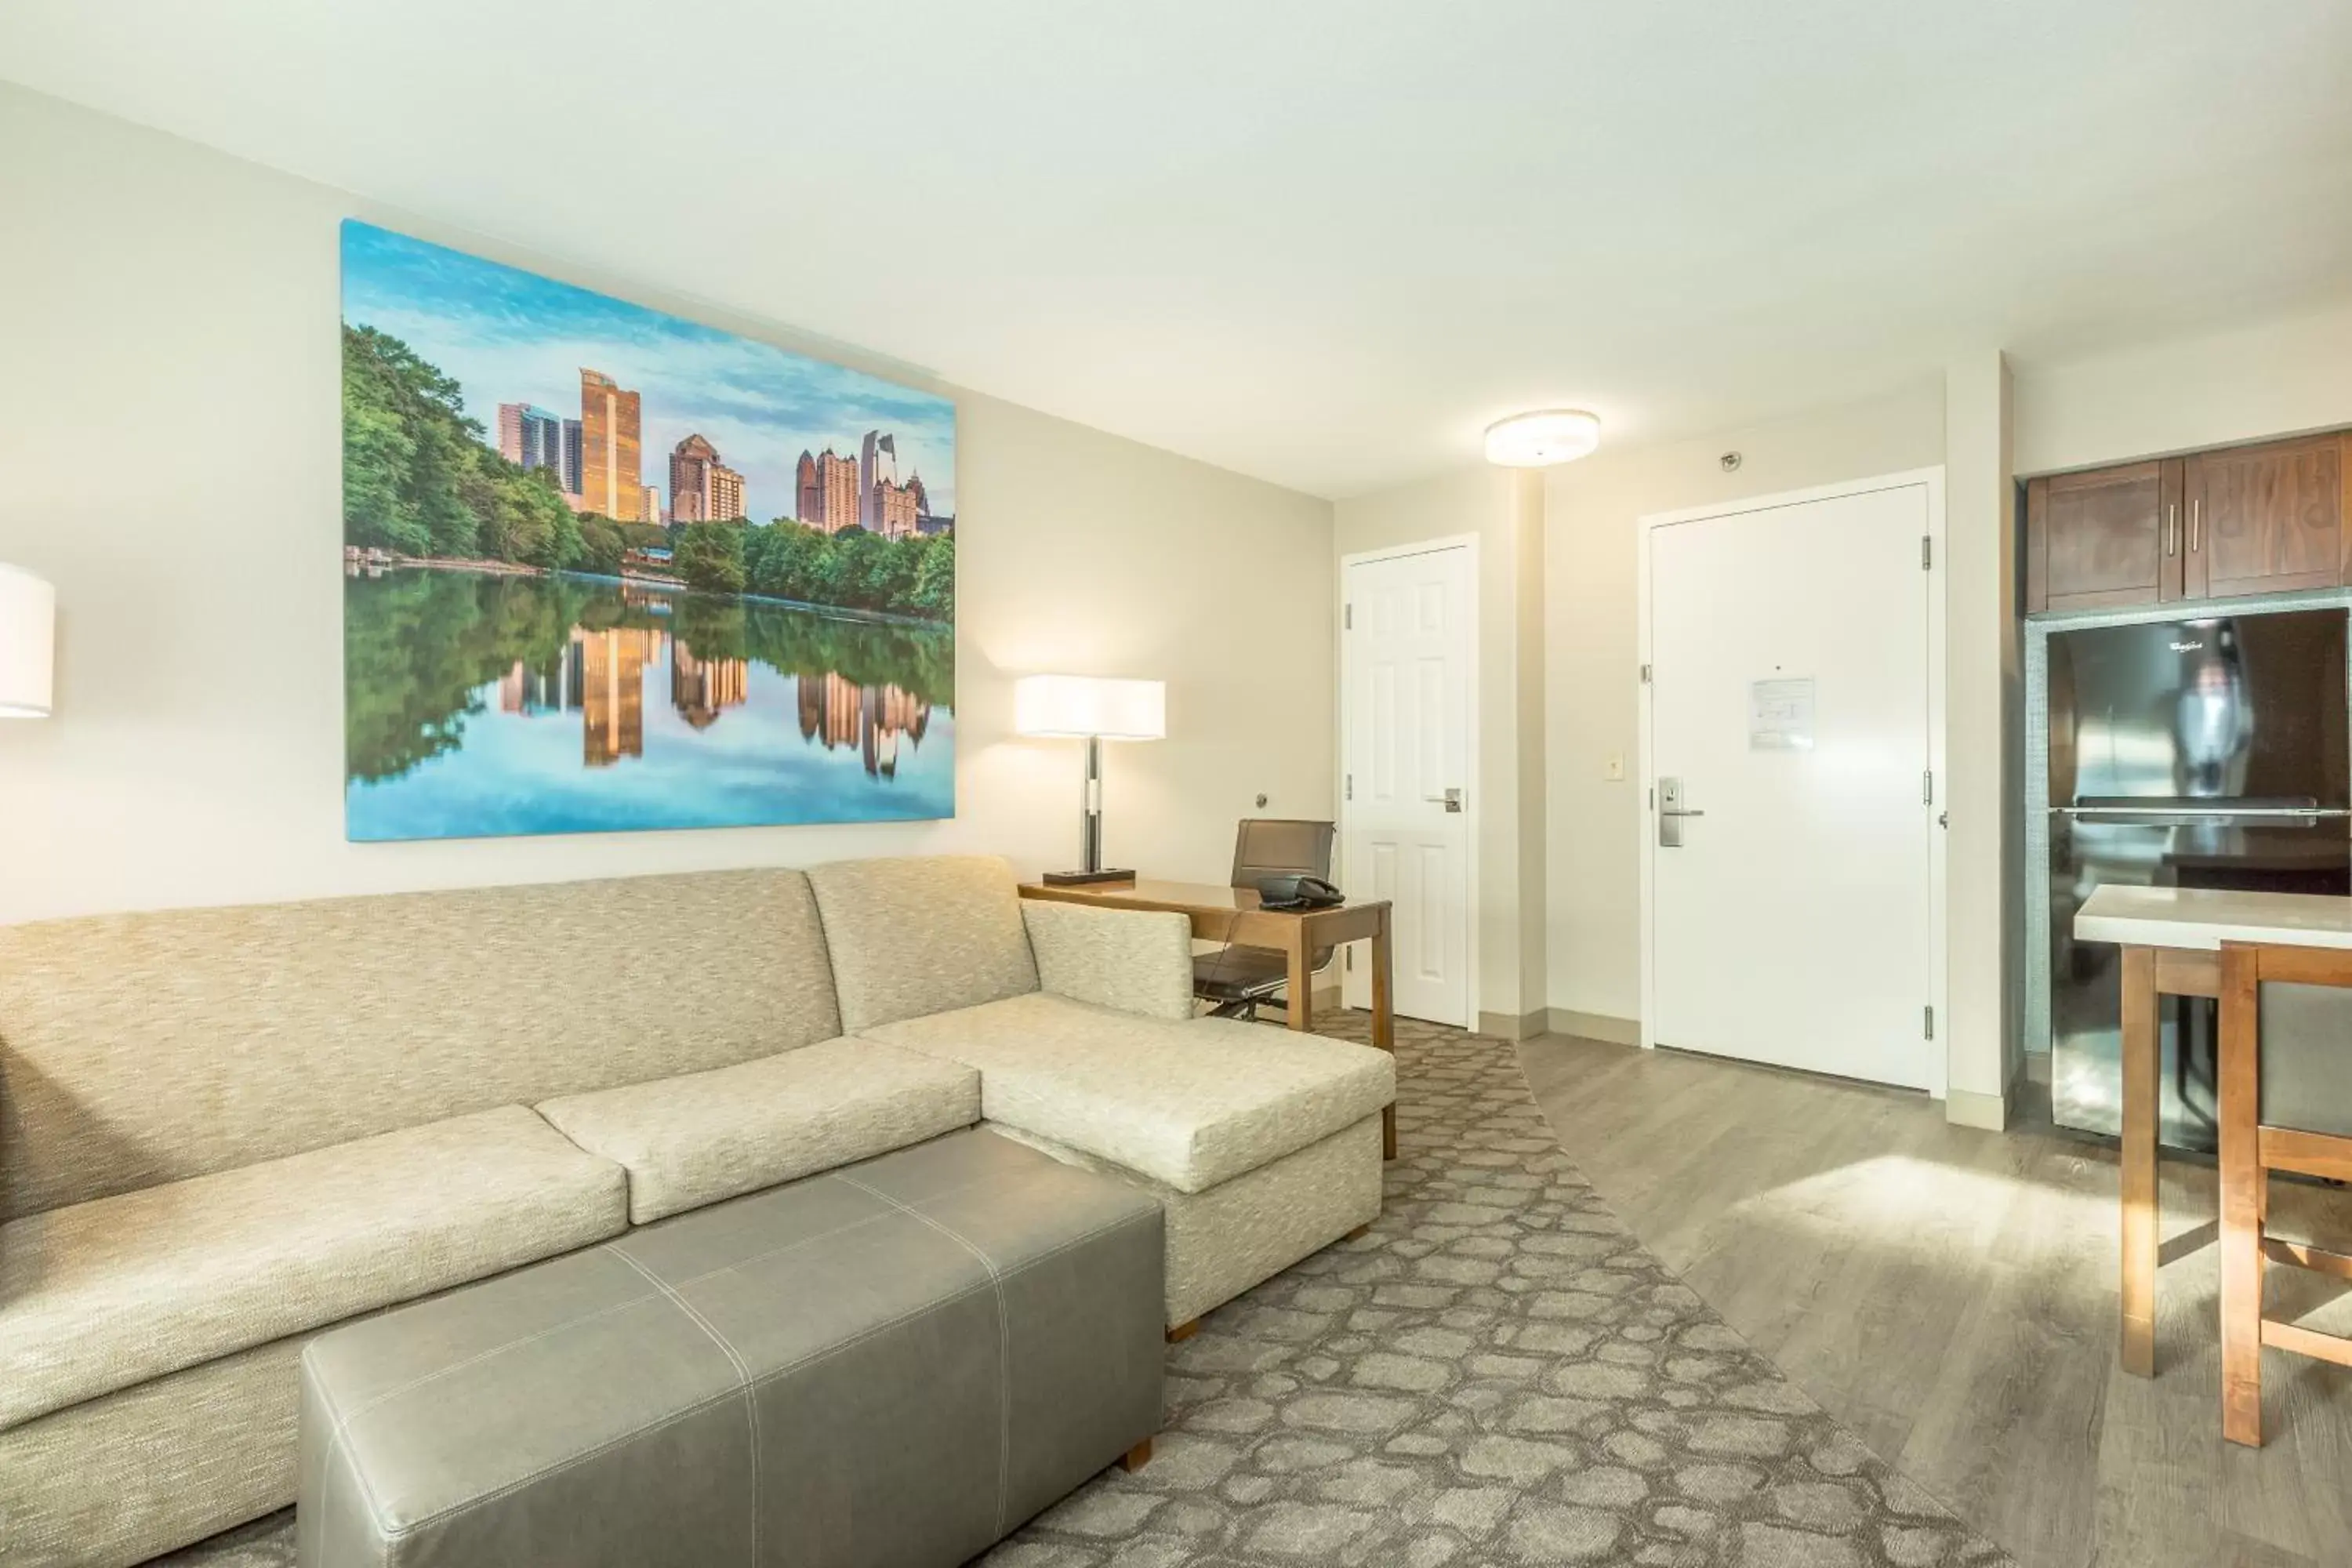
[{"x": 2286, "y": 1105}]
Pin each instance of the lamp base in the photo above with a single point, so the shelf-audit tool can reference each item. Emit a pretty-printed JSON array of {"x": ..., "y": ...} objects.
[{"x": 1084, "y": 879}]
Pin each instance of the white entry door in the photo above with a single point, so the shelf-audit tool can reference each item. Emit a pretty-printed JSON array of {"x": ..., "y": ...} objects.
[
  {"x": 1789, "y": 728},
  {"x": 1405, "y": 725}
]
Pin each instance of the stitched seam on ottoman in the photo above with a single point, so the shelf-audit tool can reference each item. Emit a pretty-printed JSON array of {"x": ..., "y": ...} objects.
[
  {"x": 742, "y": 1373},
  {"x": 501, "y": 1349},
  {"x": 779, "y": 1251},
  {"x": 811, "y": 1359},
  {"x": 494, "y": 1352},
  {"x": 698, "y": 1407},
  {"x": 335, "y": 1435},
  {"x": 1003, "y": 1347}
]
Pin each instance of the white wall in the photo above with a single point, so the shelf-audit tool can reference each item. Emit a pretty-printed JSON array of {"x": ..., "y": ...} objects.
[
  {"x": 1503, "y": 509},
  {"x": 2273, "y": 378},
  {"x": 170, "y": 399},
  {"x": 1591, "y": 511}
]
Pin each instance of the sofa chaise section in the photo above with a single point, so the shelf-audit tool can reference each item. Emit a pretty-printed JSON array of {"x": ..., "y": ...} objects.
[
  {"x": 1261, "y": 1146},
  {"x": 1079, "y": 1022},
  {"x": 1190, "y": 1105}
]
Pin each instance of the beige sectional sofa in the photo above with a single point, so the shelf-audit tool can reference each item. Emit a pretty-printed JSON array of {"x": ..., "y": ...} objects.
[{"x": 223, "y": 1131}]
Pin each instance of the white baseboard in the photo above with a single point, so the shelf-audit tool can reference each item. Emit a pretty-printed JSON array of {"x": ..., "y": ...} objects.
[
  {"x": 1593, "y": 1026},
  {"x": 1515, "y": 1026}
]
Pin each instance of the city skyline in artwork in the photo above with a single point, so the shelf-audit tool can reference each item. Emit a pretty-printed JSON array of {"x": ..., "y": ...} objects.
[{"x": 528, "y": 351}]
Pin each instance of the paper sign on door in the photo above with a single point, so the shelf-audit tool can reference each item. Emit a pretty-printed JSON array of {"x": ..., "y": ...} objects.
[{"x": 1780, "y": 715}]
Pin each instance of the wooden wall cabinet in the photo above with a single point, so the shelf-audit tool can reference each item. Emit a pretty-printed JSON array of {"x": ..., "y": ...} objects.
[
  {"x": 2111, "y": 536},
  {"x": 2213, "y": 525},
  {"x": 2265, "y": 519}
]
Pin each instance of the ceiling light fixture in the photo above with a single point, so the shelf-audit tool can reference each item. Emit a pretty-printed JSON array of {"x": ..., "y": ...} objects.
[{"x": 1540, "y": 439}]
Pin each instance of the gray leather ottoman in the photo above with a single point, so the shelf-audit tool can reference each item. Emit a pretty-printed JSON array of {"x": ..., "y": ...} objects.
[{"x": 894, "y": 1364}]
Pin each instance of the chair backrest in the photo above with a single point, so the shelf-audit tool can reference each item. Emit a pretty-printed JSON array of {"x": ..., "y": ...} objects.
[
  {"x": 2303, "y": 1031},
  {"x": 1281, "y": 847}
]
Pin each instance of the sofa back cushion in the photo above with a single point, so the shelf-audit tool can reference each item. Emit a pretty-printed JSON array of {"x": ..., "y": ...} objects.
[
  {"x": 149, "y": 1048},
  {"x": 922, "y": 934}
]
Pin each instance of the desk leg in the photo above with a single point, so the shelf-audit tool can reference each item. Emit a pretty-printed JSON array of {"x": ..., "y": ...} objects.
[
  {"x": 2143, "y": 1058},
  {"x": 1298, "y": 1008},
  {"x": 1384, "y": 1024}
]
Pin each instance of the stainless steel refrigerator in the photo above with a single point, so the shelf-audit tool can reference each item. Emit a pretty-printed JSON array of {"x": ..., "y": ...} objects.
[{"x": 2195, "y": 754}]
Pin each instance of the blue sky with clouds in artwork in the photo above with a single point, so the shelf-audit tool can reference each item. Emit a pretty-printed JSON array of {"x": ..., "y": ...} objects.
[{"x": 509, "y": 336}]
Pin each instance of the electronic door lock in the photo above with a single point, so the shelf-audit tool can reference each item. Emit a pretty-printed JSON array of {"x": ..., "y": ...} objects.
[{"x": 1671, "y": 813}]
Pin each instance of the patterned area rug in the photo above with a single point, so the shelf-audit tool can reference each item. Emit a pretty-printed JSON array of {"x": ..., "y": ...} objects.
[{"x": 1498, "y": 1373}]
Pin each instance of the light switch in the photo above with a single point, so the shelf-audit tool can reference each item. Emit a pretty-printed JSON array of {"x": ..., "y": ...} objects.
[{"x": 1613, "y": 770}]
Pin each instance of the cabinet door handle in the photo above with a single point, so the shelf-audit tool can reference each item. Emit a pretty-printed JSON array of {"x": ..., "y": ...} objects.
[
  {"x": 2171, "y": 525},
  {"x": 2196, "y": 516}
]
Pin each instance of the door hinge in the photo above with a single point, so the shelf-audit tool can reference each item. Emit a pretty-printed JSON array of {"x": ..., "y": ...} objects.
[
  {"x": 1352, "y": 786},
  {"x": 1927, "y": 552},
  {"x": 1645, "y": 675},
  {"x": 1348, "y": 618},
  {"x": 1349, "y": 954},
  {"x": 1931, "y": 1023},
  {"x": 1927, "y": 787}
]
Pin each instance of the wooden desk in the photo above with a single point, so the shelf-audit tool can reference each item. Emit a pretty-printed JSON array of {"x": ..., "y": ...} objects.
[
  {"x": 1233, "y": 916},
  {"x": 2172, "y": 939}
]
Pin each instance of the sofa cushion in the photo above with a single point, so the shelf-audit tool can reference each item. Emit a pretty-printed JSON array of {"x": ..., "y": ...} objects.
[
  {"x": 1191, "y": 1104},
  {"x": 921, "y": 934},
  {"x": 110, "y": 1293},
  {"x": 1137, "y": 961},
  {"x": 691, "y": 1140}
]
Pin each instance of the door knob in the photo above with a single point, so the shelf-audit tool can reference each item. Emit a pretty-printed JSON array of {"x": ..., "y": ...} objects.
[{"x": 1450, "y": 800}]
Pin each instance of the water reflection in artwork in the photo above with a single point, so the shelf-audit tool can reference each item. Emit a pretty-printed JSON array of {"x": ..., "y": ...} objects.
[{"x": 494, "y": 704}]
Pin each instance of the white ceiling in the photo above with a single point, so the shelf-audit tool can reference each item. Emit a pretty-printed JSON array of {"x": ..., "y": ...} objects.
[{"x": 1323, "y": 241}]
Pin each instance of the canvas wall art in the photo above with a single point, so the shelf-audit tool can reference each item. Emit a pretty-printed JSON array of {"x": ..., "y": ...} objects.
[{"x": 605, "y": 568}]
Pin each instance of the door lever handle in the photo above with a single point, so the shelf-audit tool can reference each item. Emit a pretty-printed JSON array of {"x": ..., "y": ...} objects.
[
  {"x": 1670, "y": 826},
  {"x": 1450, "y": 800}
]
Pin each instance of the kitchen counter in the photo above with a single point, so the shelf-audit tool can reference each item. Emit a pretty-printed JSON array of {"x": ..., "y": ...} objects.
[{"x": 2202, "y": 918}]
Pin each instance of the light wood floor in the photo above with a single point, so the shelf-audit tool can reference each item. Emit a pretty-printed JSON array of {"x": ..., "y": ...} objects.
[{"x": 1951, "y": 1295}]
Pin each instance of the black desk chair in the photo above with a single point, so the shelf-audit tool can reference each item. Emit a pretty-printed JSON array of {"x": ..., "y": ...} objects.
[{"x": 1236, "y": 981}]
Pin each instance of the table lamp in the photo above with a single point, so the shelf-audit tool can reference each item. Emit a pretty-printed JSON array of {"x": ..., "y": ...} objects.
[
  {"x": 28, "y": 622},
  {"x": 1094, "y": 710}
]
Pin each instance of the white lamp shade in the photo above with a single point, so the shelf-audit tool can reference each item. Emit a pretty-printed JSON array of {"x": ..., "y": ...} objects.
[
  {"x": 1090, "y": 705},
  {"x": 1540, "y": 439},
  {"x": 28, "y": 640}
]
